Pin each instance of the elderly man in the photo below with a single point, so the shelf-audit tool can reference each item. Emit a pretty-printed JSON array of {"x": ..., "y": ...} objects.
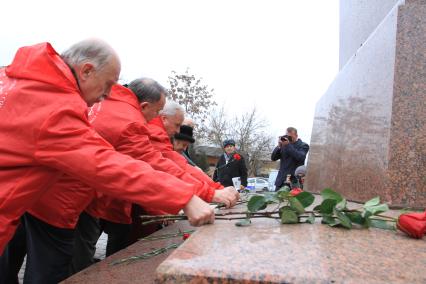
[
  {"x": 182, "y": 140},
  {"x": 163, "y": 128},
  {"x": 150, "y": 96},
  {"x": 47, "y": 97}
]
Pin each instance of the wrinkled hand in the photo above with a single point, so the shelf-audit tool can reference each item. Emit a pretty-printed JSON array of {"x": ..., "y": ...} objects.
[
  {"x": 198, "y": 212},
  {"x": 227, "y": 196}
]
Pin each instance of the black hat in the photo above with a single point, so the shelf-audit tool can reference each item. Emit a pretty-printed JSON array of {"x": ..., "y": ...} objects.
[
  {"x": 185, "y": 134},
  {"x": 228, "y": 142}
]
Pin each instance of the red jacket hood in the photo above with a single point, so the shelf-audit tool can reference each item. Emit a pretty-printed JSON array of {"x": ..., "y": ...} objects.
[
  {"x": 123, "y": 94},
  {"x": 42, "y": 63},
  {"x": 159, "y": 138}
]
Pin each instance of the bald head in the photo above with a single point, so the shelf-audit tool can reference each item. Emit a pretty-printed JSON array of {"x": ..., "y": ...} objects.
[
  {"x": 93, "y": 50},
  {"x": 96, "y": 67}
]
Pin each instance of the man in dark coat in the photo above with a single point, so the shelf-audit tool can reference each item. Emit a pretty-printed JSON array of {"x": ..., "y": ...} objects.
[
  {"x": 230, "y": 165},
  {"x": 292, "y": 153},
  {"x": 182, "y": 140}
]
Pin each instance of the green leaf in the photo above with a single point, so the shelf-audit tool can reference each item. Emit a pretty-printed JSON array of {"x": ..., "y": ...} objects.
[
  {"x": 382, "y": 224},
  {"x": 285, "y": 188},
  {"x": 356, "y": 218},
  {"x": 282, "y": 194},
  {"x": 344, "y": 220},
  {"x": 243, "y": 223},
  {"x": 288, "y": 215},
  {"x": 328, "y": 193},
  {"x": 296, "y": 205},
  {"x": 330, "y": 220},
  {"x": 305, "y": 198},
  {"x": 311, "y": 219},
  {"x": 317, "y": 208},
  {"x": 372, "y": 202},
  {"x": 377, "y": 209},
  {"x": 271, "y": 197},
  {"x": 256, "y": 203},
  {"x": 341, "y": 205},
  {"x": 327, "y": 206}
]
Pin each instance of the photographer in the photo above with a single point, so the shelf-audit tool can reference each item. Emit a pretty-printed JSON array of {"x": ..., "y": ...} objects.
[{"x": 292, "y": 153}]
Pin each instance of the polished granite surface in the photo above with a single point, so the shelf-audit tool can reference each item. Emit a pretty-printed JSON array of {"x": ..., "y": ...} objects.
[
  {"x": 267, "y": 252},
  {"x": 369, "y": 131}
]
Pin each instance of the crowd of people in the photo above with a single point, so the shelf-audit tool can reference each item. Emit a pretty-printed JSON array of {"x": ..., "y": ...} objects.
[
  {"x": 64, "y": 168},
  {"x": 82, "y": 155}
]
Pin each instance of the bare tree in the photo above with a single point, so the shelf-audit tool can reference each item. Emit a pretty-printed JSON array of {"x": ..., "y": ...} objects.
[
  {"x": 248, "y": 130},
  {"x": 195, "y": 96}
]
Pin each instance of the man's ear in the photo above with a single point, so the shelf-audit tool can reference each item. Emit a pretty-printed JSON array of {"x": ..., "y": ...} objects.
[
  {"x": 143, "y": 105},
  {"x": 86, "y": 70}
]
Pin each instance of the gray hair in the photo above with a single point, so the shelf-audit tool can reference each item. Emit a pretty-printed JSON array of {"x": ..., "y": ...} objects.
[
  {"x": 171, "y": 108},
  {"x": 147, "y": 90},
  {"x": 95, "y": 51}
]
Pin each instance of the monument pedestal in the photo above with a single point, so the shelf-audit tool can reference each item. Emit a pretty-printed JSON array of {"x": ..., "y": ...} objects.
[
  {"x": 369, "y": 131},
  {"x": 269, "y": 252}
]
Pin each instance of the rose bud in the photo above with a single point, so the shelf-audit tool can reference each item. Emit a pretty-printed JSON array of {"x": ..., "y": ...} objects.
[{"x": 413, "y": 224}]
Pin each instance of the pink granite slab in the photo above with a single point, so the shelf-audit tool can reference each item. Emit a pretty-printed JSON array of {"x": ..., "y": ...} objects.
[
  {"x": 369, "y": 131},
  {"x": 268, "y": 252}
]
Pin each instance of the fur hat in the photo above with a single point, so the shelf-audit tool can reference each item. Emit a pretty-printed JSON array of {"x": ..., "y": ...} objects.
[
  {"x": 186, "y": 134},
  {"x": 228, "y": 142}
]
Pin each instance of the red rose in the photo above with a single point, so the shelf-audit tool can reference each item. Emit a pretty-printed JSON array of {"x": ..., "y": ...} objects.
[
  {"x": 237, "y": 157},
  {"x": 185, "y": 236},
  {"x": 295, "y": 191},
  {"x": 413, "y": 224}
]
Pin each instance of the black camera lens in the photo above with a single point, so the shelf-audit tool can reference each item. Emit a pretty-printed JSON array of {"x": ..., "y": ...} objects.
[{"x": 286, "y": 138}]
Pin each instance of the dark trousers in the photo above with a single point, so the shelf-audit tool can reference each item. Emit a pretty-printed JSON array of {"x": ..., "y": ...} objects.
[
  {"x": 49, "y": 251},
  {"x": 13, "y": 257},
  {"x": 117, "y": 235},
  {"x": 87, "y": 233}
]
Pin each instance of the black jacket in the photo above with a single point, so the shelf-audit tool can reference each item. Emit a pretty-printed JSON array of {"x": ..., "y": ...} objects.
[
  {"x": 292, "y": 156},
  {"x": 234, "y": 168}
]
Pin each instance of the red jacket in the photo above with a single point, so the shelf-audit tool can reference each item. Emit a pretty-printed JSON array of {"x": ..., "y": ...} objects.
[
  {"x": 44, "y": 132},
  {"x": 118, "y": 120},
  {"x": 122, "y": 123},
  {"x": 161, "y": 141}
]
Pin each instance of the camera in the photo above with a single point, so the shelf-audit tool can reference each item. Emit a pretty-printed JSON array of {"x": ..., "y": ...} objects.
[{"x": 286, "y": 137}]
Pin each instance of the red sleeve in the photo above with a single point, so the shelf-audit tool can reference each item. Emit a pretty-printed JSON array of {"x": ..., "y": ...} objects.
[
  {"x": 68, "y": 143},
  {"x": 196, "y": 173},
  {"x": 135, "y": 142}
]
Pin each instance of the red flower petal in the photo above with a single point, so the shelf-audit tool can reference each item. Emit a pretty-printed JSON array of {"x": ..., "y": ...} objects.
[
  {"x": 185, "y": 236},
  {"x": 413, "y": 224},
  {"x": 295, "y": 191}
]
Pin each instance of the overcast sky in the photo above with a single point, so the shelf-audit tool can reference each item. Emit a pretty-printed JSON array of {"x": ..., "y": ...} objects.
[{"x": 279, "y": 56}]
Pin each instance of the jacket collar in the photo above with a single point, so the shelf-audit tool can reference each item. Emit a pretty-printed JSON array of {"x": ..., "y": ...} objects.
[{"x": 123, "y": 94}]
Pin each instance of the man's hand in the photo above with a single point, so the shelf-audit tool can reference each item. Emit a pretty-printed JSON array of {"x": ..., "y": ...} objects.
[
  {"x": 198, "y": 212},
  {"x": 227, "y": 196},
  {"x": 283, "y": 143}
]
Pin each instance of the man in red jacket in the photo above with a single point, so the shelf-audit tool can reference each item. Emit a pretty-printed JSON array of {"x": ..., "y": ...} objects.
[
  {"x": 149, "y": 96},
  {"x": 120, "y": 120},
  {"x": 45, "y": 132}
]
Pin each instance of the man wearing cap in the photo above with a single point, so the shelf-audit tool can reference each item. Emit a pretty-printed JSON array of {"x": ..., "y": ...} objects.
[{"x": 230, "y": 165}]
